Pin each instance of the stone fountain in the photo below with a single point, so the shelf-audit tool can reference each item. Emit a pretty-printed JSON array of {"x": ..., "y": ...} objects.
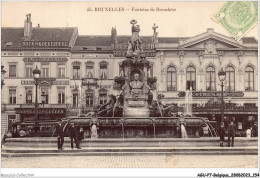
[{"x": 136, "y": 111}]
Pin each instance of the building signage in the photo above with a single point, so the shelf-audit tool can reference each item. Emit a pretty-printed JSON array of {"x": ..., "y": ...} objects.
[
  {"x": 124, "y": 46},
  {"x": 31, "y": 82},
  {"x": 121, "y": 49},
  {"x": 51, "y": 44},
  {"x": 104, "y": 86},
  {"x": 213, "y": 94},
  {"x": 61, "y": 82},
  {"x": 45, "y": 59}
]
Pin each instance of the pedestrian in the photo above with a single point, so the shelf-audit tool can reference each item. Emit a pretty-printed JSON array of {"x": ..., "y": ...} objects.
[
  {"x": 231, "y": 132},
  {"x": 254, "y": 130},
  {"x": 222, "y": 134},
  {"x": 80, "y": 136},
  {"x": 73, "y": 135},
  {"x": 60, "y": 134}
]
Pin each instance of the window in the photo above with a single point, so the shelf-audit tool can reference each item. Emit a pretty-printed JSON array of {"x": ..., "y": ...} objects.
[
  {"x": 45, "y": 70},
  {"x": 249, "y": 78},
  {"x": 12, "y": 96},
  {"x": 61, "y": 70},
  {"x": 76, "y": 70},
  {"x": 28, "y": 70},
  {"x": 45, "y": 95},
  {"x": 75, "y": 99},
  {"x": 61, "y": 95},
  {"x": 230, "y": 79},
  {"x": 191, "y": 78},
  {"x": 210, "y": 79},
  {"x": 12, "y": 70},
  {"x": 102, "y": 97},
  {"x": 171, "y": 79},
  {"x": 89, "y": 99},
  {"x": 28, "y": 96},
  {"x": 103, "y": 70},
  {"x": 89, "y": 69}
]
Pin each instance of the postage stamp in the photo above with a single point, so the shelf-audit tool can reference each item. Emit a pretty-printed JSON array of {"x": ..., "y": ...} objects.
[{"x": 238, "y": 17}]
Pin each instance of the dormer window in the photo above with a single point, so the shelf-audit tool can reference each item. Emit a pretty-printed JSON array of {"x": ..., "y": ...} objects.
[{"x": 8, "y": 44}]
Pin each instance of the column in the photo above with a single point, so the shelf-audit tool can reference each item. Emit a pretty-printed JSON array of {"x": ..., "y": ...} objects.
[
  {"x": 200, "y": 72},
  {"x": 240, "y": 55},
  {"x": 181, "y": 55}
]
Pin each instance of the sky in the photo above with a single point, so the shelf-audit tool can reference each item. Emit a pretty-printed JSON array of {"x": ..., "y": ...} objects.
[{"x": 188, "y": 19}]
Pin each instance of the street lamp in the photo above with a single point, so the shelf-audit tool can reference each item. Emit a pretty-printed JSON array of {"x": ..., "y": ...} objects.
[
  {"x": 36, "y": 74},
  {"x": 2, "y": 75},
  {"x": 222, "y": 77}
]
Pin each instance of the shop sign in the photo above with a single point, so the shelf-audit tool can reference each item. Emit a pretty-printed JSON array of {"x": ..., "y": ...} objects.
[
  {"x": 40, "y": 111},
  {"x": 45, "y": 59},
  {"x": 42, "y": 44},
  {"x": 57, "y": 82}
]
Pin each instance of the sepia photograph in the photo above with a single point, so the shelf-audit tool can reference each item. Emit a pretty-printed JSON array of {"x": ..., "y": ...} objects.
[{"x": 130, "y": 85}]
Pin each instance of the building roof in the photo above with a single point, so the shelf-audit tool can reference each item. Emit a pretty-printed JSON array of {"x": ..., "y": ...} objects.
[
  {"x": 99, "y": 41},
  {"x": 14, "y": 36}
]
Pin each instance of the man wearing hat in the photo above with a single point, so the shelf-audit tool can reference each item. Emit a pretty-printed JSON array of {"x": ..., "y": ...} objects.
[
  {"x": 73, "y": 135},
  {"x": 60, "y": 134}
]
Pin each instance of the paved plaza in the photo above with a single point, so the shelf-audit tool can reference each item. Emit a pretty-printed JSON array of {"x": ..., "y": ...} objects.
[{"x": 137, "y": 161}]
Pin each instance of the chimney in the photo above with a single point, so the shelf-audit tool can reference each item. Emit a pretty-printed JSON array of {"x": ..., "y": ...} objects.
[
  {"x": 113, "y": 36},
  {"x": 27, "y": 26}
]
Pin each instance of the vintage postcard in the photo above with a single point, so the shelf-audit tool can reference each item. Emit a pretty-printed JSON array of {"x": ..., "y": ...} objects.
[{"x": 130, "y": 85}]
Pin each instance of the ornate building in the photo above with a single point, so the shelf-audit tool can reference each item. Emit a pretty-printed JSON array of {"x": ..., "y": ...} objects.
[{"x": 77, "y": 72}]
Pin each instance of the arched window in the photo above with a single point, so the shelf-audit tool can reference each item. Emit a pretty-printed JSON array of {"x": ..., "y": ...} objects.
[
  {"x": 210, "y": 79},
  {"x": 171, "y": 79},
  {"x": 230, "y": 79},
  {"x": 191, "y": 78},
  {"x": 249, "y": 78}
]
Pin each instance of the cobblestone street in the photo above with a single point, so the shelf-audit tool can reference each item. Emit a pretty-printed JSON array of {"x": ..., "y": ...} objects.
[{"x": 138, "y": 161}]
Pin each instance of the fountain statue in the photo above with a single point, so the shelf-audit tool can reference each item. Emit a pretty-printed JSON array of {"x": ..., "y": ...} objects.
[
  {"x": 188, "y": 102},
  {"x": 94, "y": 122}
]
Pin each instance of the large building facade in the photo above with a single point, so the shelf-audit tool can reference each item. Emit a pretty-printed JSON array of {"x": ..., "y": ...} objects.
[{"x": 77, "y": 72}]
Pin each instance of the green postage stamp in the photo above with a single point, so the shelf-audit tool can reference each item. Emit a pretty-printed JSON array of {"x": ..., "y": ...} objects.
[{"x": 238, "y": 17}]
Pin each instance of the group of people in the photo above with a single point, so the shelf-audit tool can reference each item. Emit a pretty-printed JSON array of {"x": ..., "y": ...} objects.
[
  {"x": 231, "y": 132},
  {"x": 75, "y": 135}
]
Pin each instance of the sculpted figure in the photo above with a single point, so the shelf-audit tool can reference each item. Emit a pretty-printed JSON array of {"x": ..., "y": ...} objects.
[{"x": 136, "y": 84}]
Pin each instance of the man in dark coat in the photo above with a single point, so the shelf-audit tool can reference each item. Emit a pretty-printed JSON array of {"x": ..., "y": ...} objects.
[
  {"x": 222, "y": 134},
  {"x": 231, "y": 132},
  {"x": 73, "y": 135},
  {"x": 254, "y": 130},
  {"x": 80, "y": 136},
  {"x": 60, "y": 134}
]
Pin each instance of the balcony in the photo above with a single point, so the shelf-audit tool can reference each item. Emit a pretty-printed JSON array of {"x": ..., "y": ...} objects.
[{"x": 89, "y": 81}]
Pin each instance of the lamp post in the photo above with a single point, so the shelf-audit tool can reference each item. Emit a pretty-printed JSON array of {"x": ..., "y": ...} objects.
[
  {"x": 222, "y": 77},
  {"x": 2, "y": 75},
  {"x": 36, "y": 75}
]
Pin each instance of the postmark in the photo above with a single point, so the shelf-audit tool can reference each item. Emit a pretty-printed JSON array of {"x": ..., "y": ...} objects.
[{"x": 238, "y": 17}]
